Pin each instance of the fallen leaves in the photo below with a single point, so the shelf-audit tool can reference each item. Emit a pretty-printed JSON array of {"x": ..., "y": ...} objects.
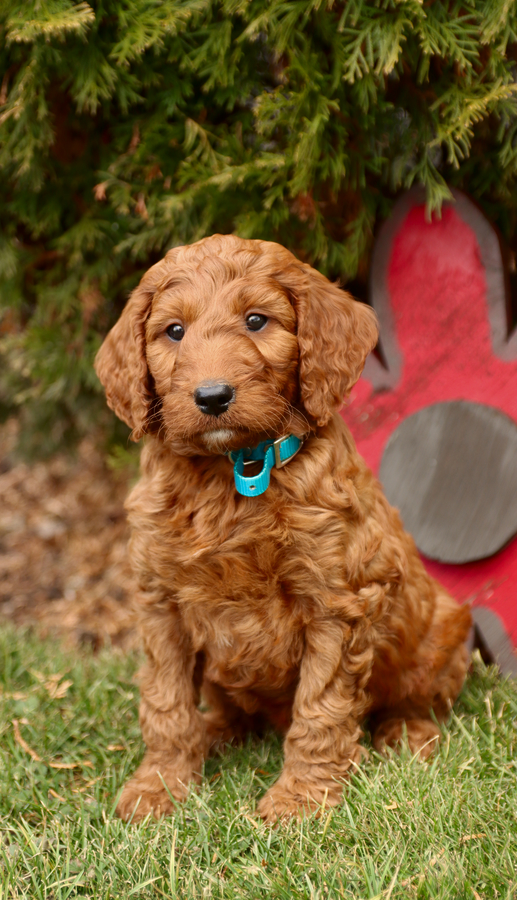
[
  {"x": 64, "y": 537},
  {"x": 56, "y": 689},
  {"x": 23, "y": 744},
  {"x": 14, "y": 695},
  {"x": 37, "y": 758},
  {"x": 472, "y": 837},
  {"x": 408, "y": 882}
]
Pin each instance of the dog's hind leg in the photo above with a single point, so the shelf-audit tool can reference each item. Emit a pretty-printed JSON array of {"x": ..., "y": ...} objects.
[{"x": 429, "y": 687}]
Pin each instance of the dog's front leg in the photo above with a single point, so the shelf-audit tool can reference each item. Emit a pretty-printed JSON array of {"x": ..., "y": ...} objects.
[
  {"x": 172, "y": 726},
  {"x": 323, "y": 740}
]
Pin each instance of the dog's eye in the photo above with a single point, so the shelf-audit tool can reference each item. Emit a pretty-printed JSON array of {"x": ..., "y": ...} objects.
[
  {"x": 256, "y": 322},
  {"x": 175, "y": 332}
]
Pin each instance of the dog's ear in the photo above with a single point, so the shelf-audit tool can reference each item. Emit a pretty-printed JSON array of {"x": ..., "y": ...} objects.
[
  {"x": 121, "y": 364},
  {"x": 335, "y": 335}
]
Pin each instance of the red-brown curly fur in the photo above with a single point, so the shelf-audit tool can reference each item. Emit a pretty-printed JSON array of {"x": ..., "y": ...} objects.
[{"x": 308, "y": 606}]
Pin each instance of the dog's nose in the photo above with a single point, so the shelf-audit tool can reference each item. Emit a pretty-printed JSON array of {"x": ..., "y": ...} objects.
[{"x": 214, "y": 399}]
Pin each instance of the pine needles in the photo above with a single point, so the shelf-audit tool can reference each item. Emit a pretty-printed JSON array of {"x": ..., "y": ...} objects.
[{"x": 129, "y": 127}]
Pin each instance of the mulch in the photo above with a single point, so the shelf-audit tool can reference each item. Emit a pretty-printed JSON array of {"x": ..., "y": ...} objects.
[{"x": 64, "y": 565}]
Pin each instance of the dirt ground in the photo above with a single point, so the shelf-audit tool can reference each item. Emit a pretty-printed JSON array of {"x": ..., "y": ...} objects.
[{"x": 63, "y": 535}]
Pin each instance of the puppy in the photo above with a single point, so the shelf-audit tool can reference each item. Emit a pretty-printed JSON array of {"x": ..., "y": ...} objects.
[{"x": 274, "y": 579}]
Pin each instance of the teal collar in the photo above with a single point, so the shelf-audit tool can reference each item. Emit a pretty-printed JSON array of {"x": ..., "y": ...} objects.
[{"x": 272, "y": 453}]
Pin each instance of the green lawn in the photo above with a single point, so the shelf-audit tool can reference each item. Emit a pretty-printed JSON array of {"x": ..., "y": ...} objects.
[{"x": 447, "y": 828}]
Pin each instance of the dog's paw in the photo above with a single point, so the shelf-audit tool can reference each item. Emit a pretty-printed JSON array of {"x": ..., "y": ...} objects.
[
  {"x": 291, "y": 798},
  {"x": 280, "y": 806},
  {"x": 136, "y": 803},
  {"x": 154, "y": 789},
  {"x": 422, "y": 736}
]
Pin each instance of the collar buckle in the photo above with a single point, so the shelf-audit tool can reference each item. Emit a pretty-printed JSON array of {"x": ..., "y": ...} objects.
[{"x": 279, "y": 462}]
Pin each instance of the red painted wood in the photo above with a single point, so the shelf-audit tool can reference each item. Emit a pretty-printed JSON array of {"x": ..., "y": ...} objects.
[{"x": 438, "y": 297}]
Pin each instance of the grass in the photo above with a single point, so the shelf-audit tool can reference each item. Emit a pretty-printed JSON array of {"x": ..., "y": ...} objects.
[{"x": 443, "y": 829}]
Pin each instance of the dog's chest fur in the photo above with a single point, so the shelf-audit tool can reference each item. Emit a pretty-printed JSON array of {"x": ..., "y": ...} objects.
[{"x": 248, "y": 575}]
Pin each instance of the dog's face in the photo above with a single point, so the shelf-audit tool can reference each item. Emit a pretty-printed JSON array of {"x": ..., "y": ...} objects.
[
  {"x": 227, "y": 342},
  {"x": 223, "y": 359}
]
